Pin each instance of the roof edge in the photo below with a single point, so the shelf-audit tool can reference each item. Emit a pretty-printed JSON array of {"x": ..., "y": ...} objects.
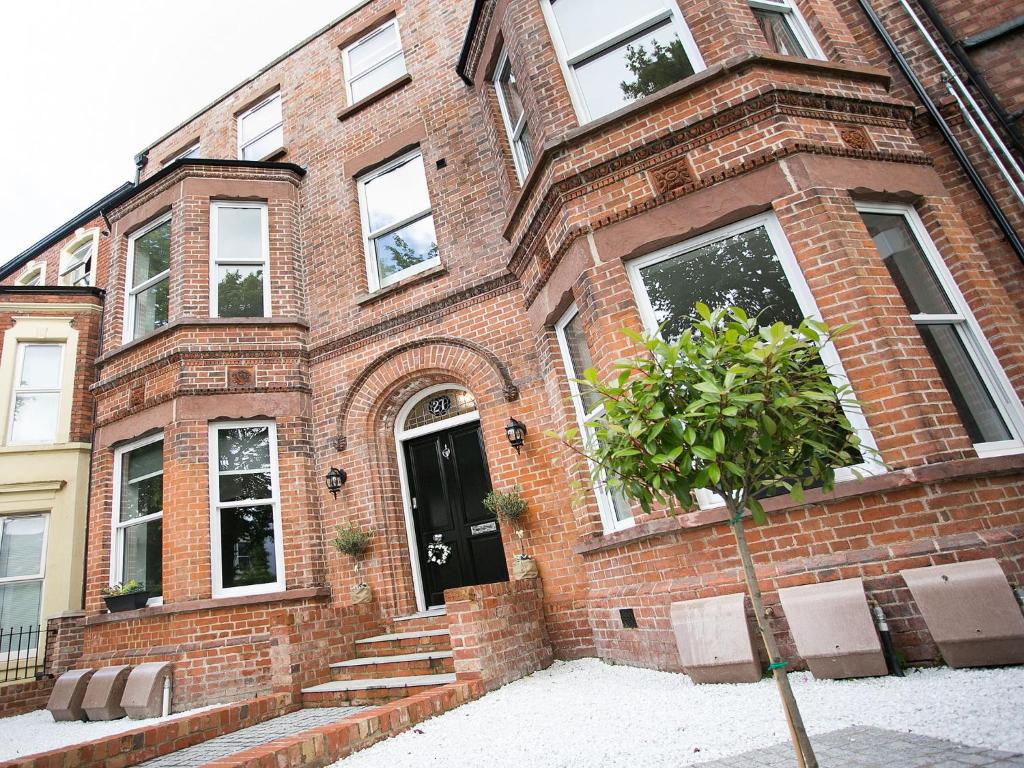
[{"x": 474, "y": 21}]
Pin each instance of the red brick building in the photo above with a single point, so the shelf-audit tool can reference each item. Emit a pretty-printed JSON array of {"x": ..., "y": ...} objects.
[{"x": 428, "y": 218}]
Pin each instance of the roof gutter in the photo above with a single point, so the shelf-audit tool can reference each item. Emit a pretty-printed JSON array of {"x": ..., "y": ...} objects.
[{"x": 474, "y": 22}]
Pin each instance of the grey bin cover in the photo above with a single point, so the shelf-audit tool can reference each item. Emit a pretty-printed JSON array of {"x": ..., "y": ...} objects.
[
  {"x": 103, "y": 696},
  {"x": 144, "y": 692},
  {"x": 65, "y": 701}
]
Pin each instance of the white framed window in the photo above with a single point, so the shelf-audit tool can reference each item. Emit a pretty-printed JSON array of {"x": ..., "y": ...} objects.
[
  {"x": 191, "y": 151},
  {"x": 513, "y": 116},
  {"x": 22, "y": 567},
  {"x": 398, "y": 223},
  {"x": 615, "y": 52},
  {"x": 749, "y": 264},
  {"x": 34, "y": 273},
  {"x": 148, "y": 277},
  {"x": 35, "y": 399},
  {"x": 76, "y": 259},
  {"x": 245, "y": 509},
  {"x": 239, "y": 260},
  {"x": 261, "y": 129},
  {"x": 138, "y": 525},
  {"x": 984, "y": 398},
  {"x": 572, "y": 343},
  {"x": 373, "y": 61},
  {"x": 785, "y": 28}
]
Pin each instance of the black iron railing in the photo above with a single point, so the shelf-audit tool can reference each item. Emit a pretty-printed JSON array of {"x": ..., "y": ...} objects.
[{"x": 23, "y": 652}]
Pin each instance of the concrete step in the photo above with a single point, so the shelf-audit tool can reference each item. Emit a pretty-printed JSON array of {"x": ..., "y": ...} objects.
[
  {"x": 400, "y": 643},
  {"x": 369, "y": 692},
  {"x": 402, "y": 665},
  {"x": 416, "y": 622}
]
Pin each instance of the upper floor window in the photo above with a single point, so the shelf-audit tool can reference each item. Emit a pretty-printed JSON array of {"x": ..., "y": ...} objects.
[
  {"x": 22, "y": 555},
  {"x": 613, "y": 505},
  {"x": 148, "y": 279},
  {"x": 785, "y": 29},
  {"x": 189, "y": 152},
  {"x": 77, "y": 260},
  {"x": 239, "y": 249},
  {"x": 981, "y": 393},
  {"x": 35, "y": 400},
  {"x": 398, "y": 224},
  {"x": 33, "y": 274},
  {"x": 513, "y": 116},
  {"x": 261, "y": 129},
  {"x": 139, "y": 514},
  {"x": 614, "y": 52},
  {"x": 373, "y": 61}
]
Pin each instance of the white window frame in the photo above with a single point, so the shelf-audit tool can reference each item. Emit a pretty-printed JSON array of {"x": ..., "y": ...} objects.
[
  {"x": 374, "y": 281},
  {"x": 241, "y": 118},
  {"x": 40, "y": 576},
  {"x": 217, "y": 574},
  {"x": 796, "y": 22},
  {"x": 514, "y": 132},
  {"x": 969, "y": 331},
  {"x": 805, "y": 299},
  {"x": 68, "y": 262},
  {"x": 16, "y": 389},
  {"x": 569, "y": 59},
  {"x": 29, "y": 273},
  {"x": 128, "y": 332},
  {"x": 388, "y": 57},
  {"x": 216, "y": 261},
  {"x": 605, "y": 504},
  {"x": 118, "y": 527}
]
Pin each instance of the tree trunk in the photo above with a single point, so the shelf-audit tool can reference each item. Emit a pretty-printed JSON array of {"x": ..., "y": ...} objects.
[{"x": 802, "y": 745}]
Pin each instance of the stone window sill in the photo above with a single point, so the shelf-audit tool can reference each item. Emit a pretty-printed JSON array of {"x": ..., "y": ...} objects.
[
  {"x": 364, "y": 299},
  {"x": 191, "y": 606},
  {"x": 373, "y": 98}
]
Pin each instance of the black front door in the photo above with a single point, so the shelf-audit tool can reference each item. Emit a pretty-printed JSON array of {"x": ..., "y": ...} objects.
[{"x": 448, "y": 480}]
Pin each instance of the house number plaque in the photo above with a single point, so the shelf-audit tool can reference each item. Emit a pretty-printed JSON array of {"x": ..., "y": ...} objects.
[{"x": 476, "y": 530}]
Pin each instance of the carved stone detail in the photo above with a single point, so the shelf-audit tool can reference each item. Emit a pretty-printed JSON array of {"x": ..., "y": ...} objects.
[{"x": 673, "y": 174}]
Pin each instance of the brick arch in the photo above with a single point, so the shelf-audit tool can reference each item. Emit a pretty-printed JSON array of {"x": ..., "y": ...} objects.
[{"x": 422, "y": 361}]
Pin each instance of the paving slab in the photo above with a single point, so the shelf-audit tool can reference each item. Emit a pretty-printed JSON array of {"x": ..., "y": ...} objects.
[
  {"x": 861, "y": 747},
  {"x": 253, "y": 736}
]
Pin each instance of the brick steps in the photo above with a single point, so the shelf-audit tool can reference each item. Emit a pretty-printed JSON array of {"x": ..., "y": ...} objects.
[
  {"x": 403, "y": 665},
  {"x": 416, "y": 622},
  {"x": 400, "y": 643},
  {"x": 340, "y": 693}
]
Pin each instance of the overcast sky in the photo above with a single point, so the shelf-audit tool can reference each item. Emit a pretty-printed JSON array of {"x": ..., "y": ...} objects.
[{"x": 89, "y": 84}]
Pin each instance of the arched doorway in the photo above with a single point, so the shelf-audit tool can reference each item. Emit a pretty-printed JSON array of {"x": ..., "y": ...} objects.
[{"x": 453, "y": 540}]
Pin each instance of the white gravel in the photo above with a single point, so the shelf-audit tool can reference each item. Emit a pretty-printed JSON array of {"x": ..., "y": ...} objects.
[
  {"x": 37, "y": 732},
  {"x": 585, "y": 713}
]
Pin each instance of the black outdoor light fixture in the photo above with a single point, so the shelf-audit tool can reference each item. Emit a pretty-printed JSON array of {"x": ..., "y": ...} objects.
[
  {"x": 335, "y": 479},
  {"x": 515, "y": 431}
]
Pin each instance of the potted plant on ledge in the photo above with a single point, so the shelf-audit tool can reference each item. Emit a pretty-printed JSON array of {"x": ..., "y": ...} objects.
[
  {"x": 125, "y": 596},
  {"x": 353, "y": 541},
  {"x": 510, "y": 507}
]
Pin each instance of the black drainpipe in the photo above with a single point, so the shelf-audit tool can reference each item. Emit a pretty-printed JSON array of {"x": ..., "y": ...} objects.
[
  {"x": 976, "y": 78},
  {"x": 947, "y": 134}
]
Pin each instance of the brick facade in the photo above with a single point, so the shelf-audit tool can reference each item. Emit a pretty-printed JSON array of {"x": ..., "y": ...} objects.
[{"x": 753, "y": 133}]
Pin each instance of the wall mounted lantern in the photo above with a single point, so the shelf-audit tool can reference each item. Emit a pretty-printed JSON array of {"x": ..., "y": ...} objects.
[
  {"x": 335, "y": 479},
  {"x": 515, "y": 431}
]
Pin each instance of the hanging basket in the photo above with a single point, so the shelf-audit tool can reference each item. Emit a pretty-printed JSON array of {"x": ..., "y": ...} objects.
[{"x": 361, "y": 593}]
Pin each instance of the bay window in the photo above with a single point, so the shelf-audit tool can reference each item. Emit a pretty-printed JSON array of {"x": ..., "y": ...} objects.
[
  {"x": 35, "y": 398},
  {"x": 149, "y": 262},
  {"x": 239, "y": 252},
  {"x": 138, "y": 514},
  {"x": 22, "y": 555}
]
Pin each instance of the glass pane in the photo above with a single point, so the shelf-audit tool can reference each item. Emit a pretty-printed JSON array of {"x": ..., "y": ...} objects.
[
  {"x": 620, "y": 506},
  {"x": 441, "y": 405},
  {"x": 189, "y": 153},
  {"x": 373, "y": 50},
  {"x": 739, "y": 270},
  {"x": 397, "y": 194},
  {"x": 510, "y": 93},
  {"x": 77, "y": 276},
  {"x": 239, "y": 234},
  {"x": 247, "y": 546},
  {"x": 36, "y": 279},
  {"x": 255, "y": 486},
  {"x": 633, "y": 69},
  {"x": 259, "y": 120},
  {"x": 265, "y": 146},
  {"x": 406, "y": 247},
  {"x": 151, "y": 308},
  {"x": 907, "y": 264},
  {"x": 21, "y": 546},
  {"x": 579, "y": 356},
  {"x": 40, "y": 367},
  {"x": 152, "y": 253},
  {"x": 778, "y": 32},
  {"x": 525, "y": 148},
  {"x": 239, "y": 291},
  {"x": 585, "y": 22},
  {"x": 19, "y": 607},
  {"x": 240, "y": 448},
  {"x": 35, "y": 418},
  {"x": 143, "y": 557},
  {"x": 141, "y": 497},
  {"x": 971, "y": 397},
  {"x": 376, "y": 79}
]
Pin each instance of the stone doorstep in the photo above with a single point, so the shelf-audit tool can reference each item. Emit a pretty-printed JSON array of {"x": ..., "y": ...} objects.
[
  {"x": 328, "y": 743},
  {"x": 141, "y": 744}
]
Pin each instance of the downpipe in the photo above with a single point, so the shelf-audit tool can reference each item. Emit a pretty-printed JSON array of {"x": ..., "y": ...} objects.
[
  {"x": 166, "y": 708},
  {"x": 886, "y": 637}
]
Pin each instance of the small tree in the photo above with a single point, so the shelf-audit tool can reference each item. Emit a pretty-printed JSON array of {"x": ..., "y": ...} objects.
[
  {"x": 353, "y": 541},
  {"x": 734, "y": 408},
  {"x": 509, "y": 507}
]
